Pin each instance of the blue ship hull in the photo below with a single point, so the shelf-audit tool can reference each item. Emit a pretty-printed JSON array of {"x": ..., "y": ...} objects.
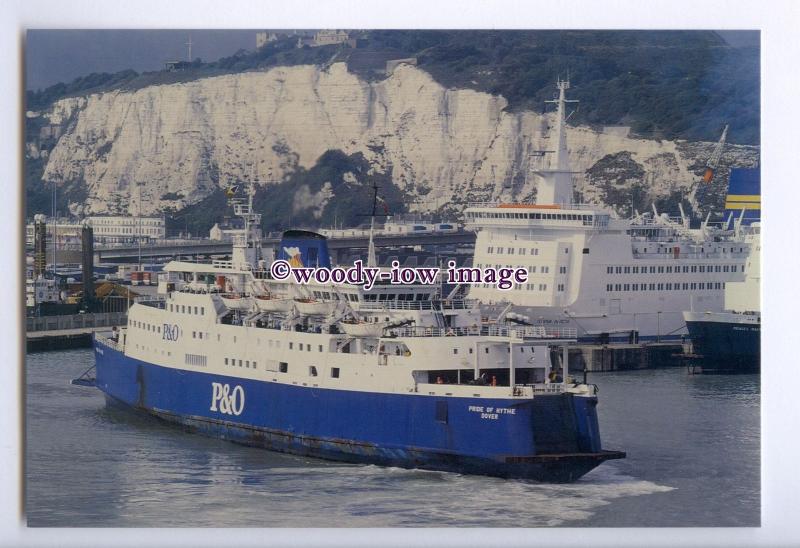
[
  {"x": 552, "y": 438},
  {"x": 726, "y": 347}
]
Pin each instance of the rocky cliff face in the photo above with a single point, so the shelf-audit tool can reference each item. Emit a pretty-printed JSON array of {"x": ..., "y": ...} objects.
[{"x": 174, "y": 144}]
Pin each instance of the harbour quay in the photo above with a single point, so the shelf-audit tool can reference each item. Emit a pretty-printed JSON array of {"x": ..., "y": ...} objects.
[{"x": 68, "y": 331}]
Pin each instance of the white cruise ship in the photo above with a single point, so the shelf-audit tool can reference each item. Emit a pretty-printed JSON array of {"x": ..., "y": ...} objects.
[{"x": 609, "y": 278}]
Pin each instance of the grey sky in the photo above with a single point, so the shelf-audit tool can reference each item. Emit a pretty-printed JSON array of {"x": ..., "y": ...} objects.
[{"x": 53, "y": 56}]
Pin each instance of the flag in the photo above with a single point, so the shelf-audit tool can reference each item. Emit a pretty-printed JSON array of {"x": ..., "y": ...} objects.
[{"x": 384, "y": 204}]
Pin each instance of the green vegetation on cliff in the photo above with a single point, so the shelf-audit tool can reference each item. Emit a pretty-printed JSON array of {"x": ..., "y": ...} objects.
[
  {"x": 336, "y": 190},
  {"x": 663, "y": 84}
]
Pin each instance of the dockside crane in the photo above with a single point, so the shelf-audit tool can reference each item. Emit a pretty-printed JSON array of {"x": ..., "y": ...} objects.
[{"x": 713, "y": 161}]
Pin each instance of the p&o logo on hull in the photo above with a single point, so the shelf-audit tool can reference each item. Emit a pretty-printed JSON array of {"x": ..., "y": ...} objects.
[
  {"x": 230, "y": 402},
  {"x": 171, "y": 332}
]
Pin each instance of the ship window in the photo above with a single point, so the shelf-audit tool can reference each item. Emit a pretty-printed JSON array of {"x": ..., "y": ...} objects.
[
  {"x": 334, "y": 372},
  {"x": 283, "y": 367},
  {"x": 312, "y": 371}
]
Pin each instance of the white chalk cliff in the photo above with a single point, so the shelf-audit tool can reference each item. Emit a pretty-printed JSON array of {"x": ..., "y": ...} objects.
[{"x": 442, "y": 145}]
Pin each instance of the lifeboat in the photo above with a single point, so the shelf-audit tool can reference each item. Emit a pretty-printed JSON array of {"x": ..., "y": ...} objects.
[
  {"x": 237, "y": 302},
  {"x": 313, "y": 307},
  {"x": 363, "y": 329},
  {"x": 270, "y": 303}
]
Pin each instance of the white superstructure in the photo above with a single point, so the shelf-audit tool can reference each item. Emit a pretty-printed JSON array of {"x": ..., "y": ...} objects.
[
  {"x": 590, "y": 270},
  {"x": 230, "y": 318}
]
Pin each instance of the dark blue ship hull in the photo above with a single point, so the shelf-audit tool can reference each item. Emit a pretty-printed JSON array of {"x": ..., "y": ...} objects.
[
  {"x": 552, "y": 438},
  {"x": 726, "y": 347}
]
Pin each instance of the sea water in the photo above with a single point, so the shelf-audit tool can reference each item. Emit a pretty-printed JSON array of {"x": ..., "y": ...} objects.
[{"x": 692, "y": 444}]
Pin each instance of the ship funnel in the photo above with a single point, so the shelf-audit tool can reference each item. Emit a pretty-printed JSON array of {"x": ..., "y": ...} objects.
[
  {"x": 303, "y": 248},
  {"x": 744, "y": 194}
]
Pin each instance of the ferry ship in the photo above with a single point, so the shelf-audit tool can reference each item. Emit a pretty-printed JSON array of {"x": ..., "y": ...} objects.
[
  {"x": 611, "y": 279},
  {"x": 730, "y": 341},
  {"x": 393, "y": 376}
]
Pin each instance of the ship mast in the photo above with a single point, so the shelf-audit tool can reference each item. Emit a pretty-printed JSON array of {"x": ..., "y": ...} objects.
[
  {"x": 371, "y": 259},
  {"x": 555, "y": 186},
  {"x": 246, "y": 253}
]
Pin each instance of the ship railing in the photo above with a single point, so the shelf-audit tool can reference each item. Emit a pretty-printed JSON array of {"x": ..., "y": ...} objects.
[
  {"x": 521, "y": 332},
  {"x": 110, "y": 342},
  {"x": 155, "y": 301},
  {"x": 226, "y": 265},
  {"x": 450, "y": 304},
  {"x": 564, "y": 207}
]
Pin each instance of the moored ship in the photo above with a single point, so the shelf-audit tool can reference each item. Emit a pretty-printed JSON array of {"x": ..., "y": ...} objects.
[
  {"x": 393, "y": 376},
  {"x": 730, "y": 341},
  {"x": 609, "y": 278}
]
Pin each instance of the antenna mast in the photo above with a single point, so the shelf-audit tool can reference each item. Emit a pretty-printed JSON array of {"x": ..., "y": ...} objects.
[
  {"x": 189, "y": 47},
  {"x": 556, "y": 183}
]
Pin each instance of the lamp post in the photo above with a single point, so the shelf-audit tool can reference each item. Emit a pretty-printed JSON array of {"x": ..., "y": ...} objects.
[
  {"x": 139, "y": 229},
  {"x": 658, "y": 332}
]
